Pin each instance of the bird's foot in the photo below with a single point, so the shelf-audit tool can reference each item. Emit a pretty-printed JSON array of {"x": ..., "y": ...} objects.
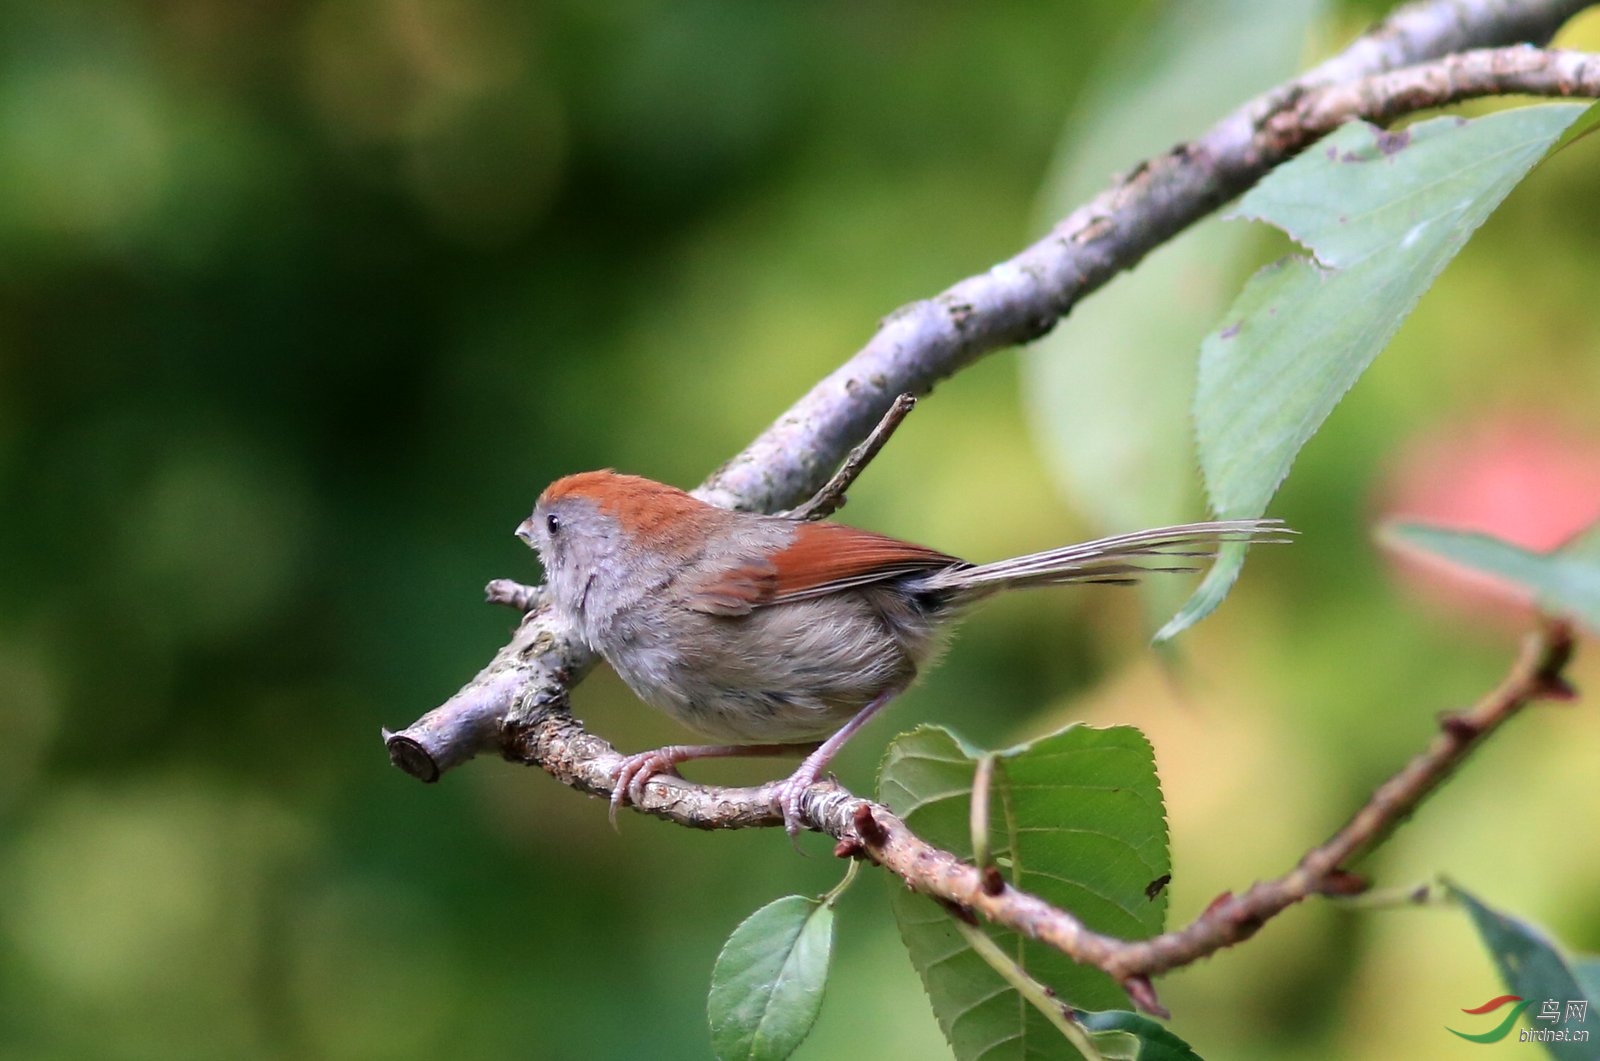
[
  {"x": 637, "y": 770},
  {"x": 790, "y": 793}
]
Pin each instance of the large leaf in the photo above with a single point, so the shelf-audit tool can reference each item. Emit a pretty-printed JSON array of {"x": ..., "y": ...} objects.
[
  {"x": 1382, "y": 214},
  {"x": 1565, "y": 581},
  {"x": 1108, "y": 391},
  {"x": 766, "y": 987},
  {"x": 1075, "y": 818},
  {"x": 1532, "y": 967}
]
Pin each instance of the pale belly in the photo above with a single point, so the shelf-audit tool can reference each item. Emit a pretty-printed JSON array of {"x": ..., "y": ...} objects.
[{"x": 791, "y": 674}]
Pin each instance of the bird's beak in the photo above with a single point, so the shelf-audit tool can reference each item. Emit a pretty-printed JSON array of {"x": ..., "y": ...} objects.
[{"x": 525, "y": 530}]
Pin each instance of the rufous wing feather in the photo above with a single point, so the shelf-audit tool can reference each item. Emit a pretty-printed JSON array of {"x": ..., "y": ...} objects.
[
  {"x": 826, "y": 557},
  {"x": 733, "y": 590},
  {"x": 821, "y": 558}
]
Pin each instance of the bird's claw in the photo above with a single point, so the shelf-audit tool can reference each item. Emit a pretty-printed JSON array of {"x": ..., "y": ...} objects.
[
  {"x": 788, "y": 798},
  {"x": 635, "y": 772}
]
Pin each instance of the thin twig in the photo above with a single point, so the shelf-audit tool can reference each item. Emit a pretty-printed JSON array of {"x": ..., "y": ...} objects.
[
  {"x": 830, "y": 498},
  {"x": 513, "y": 594},
  {"x": 1428, "y": 893},
  {"x": 1230, "y": 919}
]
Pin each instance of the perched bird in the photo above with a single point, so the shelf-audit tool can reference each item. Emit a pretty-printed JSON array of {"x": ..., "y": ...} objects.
[{"x": 769, "y": 633}]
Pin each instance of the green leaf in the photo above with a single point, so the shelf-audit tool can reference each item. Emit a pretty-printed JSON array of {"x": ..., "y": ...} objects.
[
  {"x": 1587, "y": 123},
  {"x": 1115, "y": 1045},
  {"x": 1155, "y": 1042},
  {"x": 1532, "y": 967},
  {"x": 1584, "y": 547},
  {"x": 767, "y": 985},
  {"x": 1382, "y": 214},
  {"x": 1076, "y": 818},
  {"x": 1587, "y": 971},
  {"x": 1565, "y": 581},
  {"x": 1108, "y": 391}
]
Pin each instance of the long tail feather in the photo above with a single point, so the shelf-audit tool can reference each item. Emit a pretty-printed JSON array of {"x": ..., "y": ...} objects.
[{"x": 1122, "y": 558}]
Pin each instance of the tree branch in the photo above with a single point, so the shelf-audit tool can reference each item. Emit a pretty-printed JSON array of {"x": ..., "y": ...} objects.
[
  {"x": 1453, "y": 79},
  {"x": 830, "y": 498},
  {"x": 1022, "y": 298},
  {"x": 1536, "y": 675},
  {"x": 513, "y": 594},
  {"x": 865, "y": 829}
]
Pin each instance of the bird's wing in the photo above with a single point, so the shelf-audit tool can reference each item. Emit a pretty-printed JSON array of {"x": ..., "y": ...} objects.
[{"x": 821, "y": 558}]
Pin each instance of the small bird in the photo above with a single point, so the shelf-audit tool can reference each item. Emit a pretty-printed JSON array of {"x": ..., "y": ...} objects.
[{"x": 777, "y": 635}]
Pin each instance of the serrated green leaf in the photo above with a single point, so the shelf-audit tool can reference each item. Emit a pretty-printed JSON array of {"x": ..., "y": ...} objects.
[
  {"x": 1077, "y": 819},
  {"x": 1532, "y": 967},
  {"x": 1382, "y": 214},
  {"x": 1155, "y": 1042},
  {"x": 1565, "y": 581},
  {"x": 1108, "y": 391},
  {"x": 766, "y": 987}
]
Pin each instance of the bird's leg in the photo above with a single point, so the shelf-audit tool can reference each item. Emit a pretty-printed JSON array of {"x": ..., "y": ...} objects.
[
  {"x": 639, "y": 768},
  {"x": 791, "y": 790}
]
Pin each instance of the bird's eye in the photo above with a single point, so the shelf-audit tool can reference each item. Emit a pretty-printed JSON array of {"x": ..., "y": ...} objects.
[{"x": 552, "y": 523}]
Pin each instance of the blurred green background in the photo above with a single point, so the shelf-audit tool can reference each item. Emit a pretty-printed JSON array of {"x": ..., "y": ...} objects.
[{"x": 301, "y": 303}]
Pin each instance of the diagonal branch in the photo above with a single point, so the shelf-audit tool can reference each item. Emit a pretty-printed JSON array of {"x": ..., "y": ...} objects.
[
  {"x": 1536, "y": 675},
  {"x": 1023, "y": 298}
]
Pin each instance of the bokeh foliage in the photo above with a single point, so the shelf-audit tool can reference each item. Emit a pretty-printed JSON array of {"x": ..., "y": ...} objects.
[{"x": 301, "y": 303}]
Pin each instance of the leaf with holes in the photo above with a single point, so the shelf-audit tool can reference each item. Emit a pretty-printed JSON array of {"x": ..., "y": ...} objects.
[{"x": 1075, "y": 818}]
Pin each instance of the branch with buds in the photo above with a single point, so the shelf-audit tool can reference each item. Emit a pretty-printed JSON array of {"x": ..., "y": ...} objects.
[{"x": 1421, "y": 57}]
